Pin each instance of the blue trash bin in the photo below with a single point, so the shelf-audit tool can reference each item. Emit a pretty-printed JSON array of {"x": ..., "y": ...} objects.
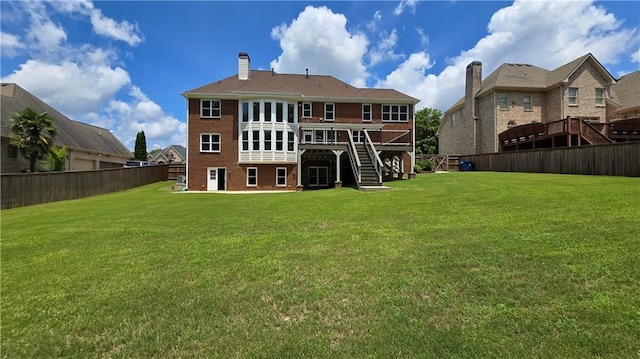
[{"x": 465, "y": 166}]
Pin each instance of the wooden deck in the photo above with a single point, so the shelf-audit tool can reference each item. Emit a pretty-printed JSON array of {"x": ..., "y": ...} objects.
[{"x": 568, "y": 132}]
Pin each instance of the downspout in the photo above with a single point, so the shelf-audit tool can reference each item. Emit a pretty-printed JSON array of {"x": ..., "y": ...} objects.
[
  {"x": 413, "y": 154},
  {"x": 561, "y": 101},
  {"x": 187, "y": 156}
]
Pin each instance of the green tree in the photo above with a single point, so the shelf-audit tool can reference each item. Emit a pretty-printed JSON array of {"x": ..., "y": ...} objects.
[
  {"x": 32, "y": 133},
  {"x": 427, "y": 123},
  {"x": 140, "y": 150},
  {"x": 55, "y": 160}
]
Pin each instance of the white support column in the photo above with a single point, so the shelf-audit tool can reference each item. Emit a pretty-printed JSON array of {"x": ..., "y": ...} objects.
[
  {"x": 299, "y": 170},
  {"x": 338, "y": 153}
]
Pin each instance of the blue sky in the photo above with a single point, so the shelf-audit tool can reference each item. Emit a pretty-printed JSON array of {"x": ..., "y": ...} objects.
[{"x": 123, "y": 64}]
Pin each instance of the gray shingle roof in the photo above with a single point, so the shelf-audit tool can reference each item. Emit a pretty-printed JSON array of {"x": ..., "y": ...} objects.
[
  {"x": 530, "y": 77},
  {"x": 72, "y": 134},
  {"x": 313, "y": 86},
  {"x": 626, "y": 92}
]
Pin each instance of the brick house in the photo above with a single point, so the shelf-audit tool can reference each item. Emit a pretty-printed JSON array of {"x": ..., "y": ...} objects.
[
  {"x": 261, "y": 130},
  {"x": 522, "y": 94}
]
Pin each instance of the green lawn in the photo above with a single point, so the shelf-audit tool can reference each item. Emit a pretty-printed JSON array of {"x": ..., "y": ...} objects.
[{"x": 454, "y": 265}]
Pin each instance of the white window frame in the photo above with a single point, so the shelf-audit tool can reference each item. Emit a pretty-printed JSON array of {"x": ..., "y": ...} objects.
[
  {"x": 329, "y": 113},
  {"x": 211, "y": 142},
  {"x": 291, "y": 144},
  {"x": 254, "y": 177},
  {"x": 503, "y": 101},
  {"x": 304, "y": 110},
  {"x": 365, "y": 112},
  {"x": 317, "y": 176},
  {"x": 452, "y": 120},
  {"x": 278, "y": 177},
  {"x": 600, "y": 91},
  {"x": 391, "y": 110},
  {"x": 211, "y": 108},
  {"x": 245, "y": 140},
  {"x": 358, "y": 136},
  {"x": 242, "y": 112},
  {"x": 574, "y": 97},
  {"x": 530, "y": 103}
]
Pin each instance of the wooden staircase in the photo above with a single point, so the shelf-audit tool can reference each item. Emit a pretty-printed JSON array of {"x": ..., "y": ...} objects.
[{"x": 368, "y": 175}]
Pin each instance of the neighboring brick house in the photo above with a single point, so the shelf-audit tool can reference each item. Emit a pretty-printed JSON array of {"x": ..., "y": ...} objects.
[
  {"x": 88, "y": 147},
  {"x": 624, "y": 102},
  {"x": 261, "y": 130},
  {"x": 518, "y": 94}
]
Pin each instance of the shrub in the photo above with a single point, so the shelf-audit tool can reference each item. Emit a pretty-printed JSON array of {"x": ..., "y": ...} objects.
[{"x": 423, "y": 165}]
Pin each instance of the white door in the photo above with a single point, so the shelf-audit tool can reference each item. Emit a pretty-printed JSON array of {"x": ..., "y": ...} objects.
[
  {"x": 212, "y": 182},
  {"x": 216, "y": 179}
]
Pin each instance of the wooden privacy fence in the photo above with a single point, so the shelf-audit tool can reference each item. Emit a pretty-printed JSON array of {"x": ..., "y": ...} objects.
[
  {"x": 621, "y": 159},
  {"x": 27, "y": 189}
]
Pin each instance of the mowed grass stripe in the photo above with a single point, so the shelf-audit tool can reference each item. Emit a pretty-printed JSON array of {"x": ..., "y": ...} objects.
[{"x": 447, "y": 265}]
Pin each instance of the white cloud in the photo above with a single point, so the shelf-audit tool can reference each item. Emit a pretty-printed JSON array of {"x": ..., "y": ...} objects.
[
  {"x": 384, "y": 50},
  {"x": 44, "y": 35},
  {"x": 411, "y": 4},
  {"x": 71, "y": 88},
  {"x": 10, "y": 45},
  {"x": 123, "y": 31},
  {"x": 142, "y": 114},
  {"x": 102, "y": 25},
  {"x": 318, "y": 39},
  {"x": 424, "y": 39},
  {"x": 373, "y": 24},
  {"x": 635, "y": 57},
  {"x": 524, "y": 32}
]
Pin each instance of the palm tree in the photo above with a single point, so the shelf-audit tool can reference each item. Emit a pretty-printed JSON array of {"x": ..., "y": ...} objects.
[{"x": 33, "y": 134}]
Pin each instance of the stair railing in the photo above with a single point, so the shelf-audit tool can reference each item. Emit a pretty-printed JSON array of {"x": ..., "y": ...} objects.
[
  {"x": 591, "y": 134},
  {"x": 353, "y": 158},
  {"x": 373, "y": 155}
]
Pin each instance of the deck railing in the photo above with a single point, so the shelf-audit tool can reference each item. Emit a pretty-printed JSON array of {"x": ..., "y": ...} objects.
[{"x": 353, "y": 158}]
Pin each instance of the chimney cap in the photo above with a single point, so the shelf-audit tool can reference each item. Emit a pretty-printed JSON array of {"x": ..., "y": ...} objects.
[
  {"x": 475, "y": 63},
  {"x": 243, "y": 55}
]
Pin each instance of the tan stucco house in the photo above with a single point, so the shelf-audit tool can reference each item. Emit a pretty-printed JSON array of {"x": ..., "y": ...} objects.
[
  {"x": 521, "y": 94},
  {"x": 88, "y": 147}
]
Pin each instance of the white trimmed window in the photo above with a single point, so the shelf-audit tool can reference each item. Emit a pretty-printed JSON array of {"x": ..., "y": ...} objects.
[
  {"x": 252, "y": 176},
  {"x": 366, "y": 113},
  {"x": 267, "y": 111},
  {"x": 329, "y": 111},
  {"x": 527, "y": 103},
  {"x": 318, "y": 176},
  {"x": 267, "y": 140},
  {"x": 306, "y": 109},
  {"x": 573, "y": 96},
  {"x": 279, "y": 140},
  {"x": 255, "y": 141},
  {"x": 291, "y": 113},
  {"x": 210, "y": 108},
  {"x": 279, "y": 112},
  {"x": 290, "y": 141},
  {"x": 281, "y": 176},
  {"x": 358, "y": 136},
  {"x": 245, "y": 112},
  {"x": 395, "y": 113},
  {"x": 503, "y": 100},
  {"x": 245, "y": 140},
  {"x": 599, "y": 97},
  {"x": 209, "y": 142}
]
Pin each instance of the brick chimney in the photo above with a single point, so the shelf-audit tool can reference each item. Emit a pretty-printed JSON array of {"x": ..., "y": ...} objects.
[
  {"x": 473, "y": 86},
  {"x": 244, "y": 66}
]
